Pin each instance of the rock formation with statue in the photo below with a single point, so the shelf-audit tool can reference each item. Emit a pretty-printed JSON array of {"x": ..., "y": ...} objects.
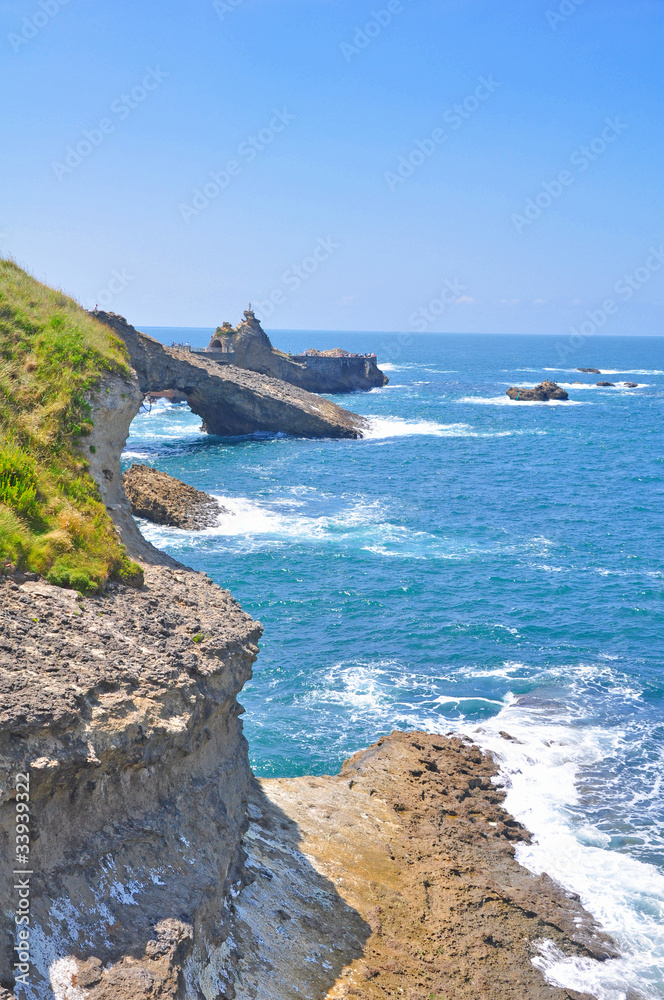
[{"x": 248, "y": 346}]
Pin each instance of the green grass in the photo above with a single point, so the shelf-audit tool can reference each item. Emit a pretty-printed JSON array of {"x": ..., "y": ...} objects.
[{"x": 52, "y": 519}]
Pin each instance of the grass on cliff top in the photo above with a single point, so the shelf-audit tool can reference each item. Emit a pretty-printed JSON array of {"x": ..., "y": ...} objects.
[{"x": 52, "y": 519}]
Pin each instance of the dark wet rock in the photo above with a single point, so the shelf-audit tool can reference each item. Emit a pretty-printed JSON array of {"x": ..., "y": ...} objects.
[
  {"x": 631, "y": 385},
  {"x": 590, "y": 371},
  {"x": 542, "y": 392},
  {"x": 606, "y": 383},
  {"x": 161, "y": 498}
]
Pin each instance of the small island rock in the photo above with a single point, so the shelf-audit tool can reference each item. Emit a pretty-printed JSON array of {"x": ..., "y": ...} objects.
[
  {"x": 606, "y": 383},
  {"x": 161, "y": 498},
  {"x": 590, "y": 371},
  {"x": 541, "y": 393},
  {"x": 631, "y": 385}
]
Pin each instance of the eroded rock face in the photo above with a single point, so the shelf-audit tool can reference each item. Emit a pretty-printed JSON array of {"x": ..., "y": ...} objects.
[
  {"x": 123, "y": 711},
  {"x": 232, "y": 401},
  {"x": 163, "y": 499},
  {"x": 545, "y": 390},
  {"x": 414, "y": 837}
]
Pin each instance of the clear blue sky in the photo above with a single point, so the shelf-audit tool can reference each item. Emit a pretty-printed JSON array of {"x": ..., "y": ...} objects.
[{"x": 351, "y": 109}]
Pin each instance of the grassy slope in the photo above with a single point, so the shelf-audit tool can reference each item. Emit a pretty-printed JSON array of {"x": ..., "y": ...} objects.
[{"x": 52, "y": 520}]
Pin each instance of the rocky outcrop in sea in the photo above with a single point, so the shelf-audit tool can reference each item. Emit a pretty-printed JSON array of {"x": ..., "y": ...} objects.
[
  {"x": 248, "y": 346},
  {"x": 545, "y": 390},
  {"x": 163, "y": 499}
]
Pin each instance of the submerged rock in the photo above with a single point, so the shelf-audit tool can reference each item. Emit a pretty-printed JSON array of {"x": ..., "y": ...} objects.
[
  {"x": 161, "y": 498},
  {"x": 542, "y": 392}
]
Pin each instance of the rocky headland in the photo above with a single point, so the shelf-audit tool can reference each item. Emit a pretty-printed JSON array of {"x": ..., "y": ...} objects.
[
  {"x": 158, "y": 866},
  {"x": 540, "y": 393},
  {"x": 161, "y": 498},
  {"x": 232, "y": 401},
  {"x": 250, "y": 347}
]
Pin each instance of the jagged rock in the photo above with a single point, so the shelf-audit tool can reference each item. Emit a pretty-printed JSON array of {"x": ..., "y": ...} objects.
[
  {"x": 123, "y": 709},
  {"x": 161, "y": 498},
  {"x": 248, "y": 346},
  {"x": 591, "y": 371},
  {"x": 543, "y": 391},
  {"x": 232, "y": 401},
  {"x": 414, "y": 836},
  {"x": 606, "y": 383}
]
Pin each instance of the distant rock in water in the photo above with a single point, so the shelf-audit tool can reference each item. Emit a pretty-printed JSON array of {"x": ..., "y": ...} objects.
[
  {"x": 631, "y": 385},
  {"x": 541, "y": 392},
  {"x": 161, "y": 498},
  {"x": 590, "y": 371},
  {"x": 606, "y": 383}
]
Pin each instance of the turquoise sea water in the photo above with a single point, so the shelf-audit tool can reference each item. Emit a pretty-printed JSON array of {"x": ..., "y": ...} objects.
[{"x": 474, "y": 565}]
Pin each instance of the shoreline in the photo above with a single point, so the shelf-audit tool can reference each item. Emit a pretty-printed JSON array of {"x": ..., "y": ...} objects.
[{"x": 154, "y": 875}]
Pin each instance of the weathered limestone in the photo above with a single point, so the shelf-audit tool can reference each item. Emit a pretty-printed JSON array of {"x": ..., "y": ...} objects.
[{"x": 122, "y": 709}]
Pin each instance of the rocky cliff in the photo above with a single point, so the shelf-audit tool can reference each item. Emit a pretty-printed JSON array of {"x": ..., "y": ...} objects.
[
  {"x": 232, "y": 401},
  {"x": 157, "y": 866},
  {"x": 251, "y": 349}
]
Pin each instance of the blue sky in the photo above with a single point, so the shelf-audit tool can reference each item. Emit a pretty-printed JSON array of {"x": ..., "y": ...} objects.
[{"x": 372, "y": 166}]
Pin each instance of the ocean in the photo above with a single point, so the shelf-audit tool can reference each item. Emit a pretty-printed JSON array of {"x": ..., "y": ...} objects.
[{"x": 474, "y": 565}]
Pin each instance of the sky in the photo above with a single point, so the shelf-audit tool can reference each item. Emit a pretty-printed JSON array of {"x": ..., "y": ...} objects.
[{"x": 397, "y": 165}]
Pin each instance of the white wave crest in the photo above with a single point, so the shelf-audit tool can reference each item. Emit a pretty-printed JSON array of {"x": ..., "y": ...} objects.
[
  {"x": 541, "y": 769},
  {"x": 602, "y": 371},
  {"x": 386, "y": 427}
]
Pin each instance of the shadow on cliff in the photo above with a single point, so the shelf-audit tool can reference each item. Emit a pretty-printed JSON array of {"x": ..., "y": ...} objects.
[{"x": 297, "y": 933}]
